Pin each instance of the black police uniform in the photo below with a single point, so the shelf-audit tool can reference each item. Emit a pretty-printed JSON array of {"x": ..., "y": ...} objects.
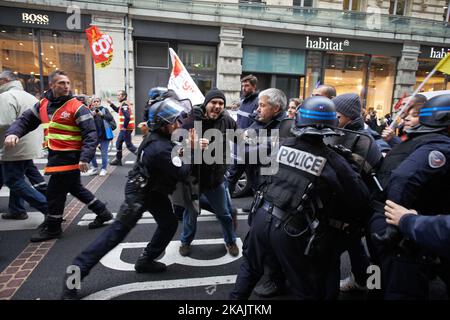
[
  {"x": 414, "y": 174},
  {"x": 150, "y": 182},
  {"x": 295, "y": 219}
]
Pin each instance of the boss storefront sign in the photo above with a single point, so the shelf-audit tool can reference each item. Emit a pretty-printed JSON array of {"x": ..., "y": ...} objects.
[
  {"x": 23, "y": 17},
  {"x": 33, "y": 18}
]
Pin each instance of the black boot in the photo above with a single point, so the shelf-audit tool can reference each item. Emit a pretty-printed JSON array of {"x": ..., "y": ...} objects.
[
  {"x": 48, "y": 230},
  {"x": 101, "y": 218},
  {"x": 389, "y": 239},
  {"x": 269, "y": 288},
  {"x": 116, "y": 162},
  {"x": 146, "y": 265}
]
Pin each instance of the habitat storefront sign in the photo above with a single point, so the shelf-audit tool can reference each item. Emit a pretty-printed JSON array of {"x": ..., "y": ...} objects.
[{"x": 320, "y": 43}]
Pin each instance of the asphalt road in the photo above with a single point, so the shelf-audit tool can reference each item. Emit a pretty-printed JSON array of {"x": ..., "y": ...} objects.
[{"x": 28, "y": 272}]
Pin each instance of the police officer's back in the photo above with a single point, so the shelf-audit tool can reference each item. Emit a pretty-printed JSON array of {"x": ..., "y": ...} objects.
[{"x": 414, "y": 174}]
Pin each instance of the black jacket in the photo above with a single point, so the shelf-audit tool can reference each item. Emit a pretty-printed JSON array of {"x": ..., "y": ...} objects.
[
  {"x": 365, "y": 146},
  {"x": 30, "y": 120},
  {"x": 103, "y": 114},
  {"x": 212, "y": 175}
]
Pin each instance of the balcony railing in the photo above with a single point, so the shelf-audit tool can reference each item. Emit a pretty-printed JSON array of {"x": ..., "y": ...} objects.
[{"x": 298, "y": 15}]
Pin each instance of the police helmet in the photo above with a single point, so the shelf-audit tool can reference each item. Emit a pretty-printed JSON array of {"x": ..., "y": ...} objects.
[
  {"x": 160, "y": 93},
  {"x": 316, "y": 116},
  {"x": 166, "y": 111},
  {"x": 436, "y": 112}
]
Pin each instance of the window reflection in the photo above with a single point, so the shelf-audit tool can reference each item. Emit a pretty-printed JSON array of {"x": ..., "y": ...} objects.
[
  {"x": 20, "y": 54},
  {"x": 68, "y": 51},
  {"x": 381, "y": 84},
  {"x": 314, "y": 64},
  {"x": 200, "y": 61},
  {"x": 346, "y": 72},
  {"x": 398, "y": 7},
  {"x": 437, "y": 82},
  {"x": 59, "y": 50}
]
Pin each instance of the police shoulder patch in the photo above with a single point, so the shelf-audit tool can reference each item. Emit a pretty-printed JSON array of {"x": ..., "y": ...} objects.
[
  {"x": 176, "y": 161},
  {"x": 301, "y": 160},
  {"x": 436, "y": 159}
]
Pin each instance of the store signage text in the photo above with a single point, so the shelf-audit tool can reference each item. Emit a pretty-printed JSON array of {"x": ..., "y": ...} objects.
[
  {"x": 434, "y": 54},
  {"x": 326, "y": 44},
  {"x": 35, "y": 18}
]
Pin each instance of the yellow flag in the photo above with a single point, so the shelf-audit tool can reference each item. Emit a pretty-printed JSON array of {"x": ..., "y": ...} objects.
[{"x": 444, "y": 64}]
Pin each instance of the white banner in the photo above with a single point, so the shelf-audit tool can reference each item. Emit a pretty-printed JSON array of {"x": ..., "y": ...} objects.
[{"x": 181, "y": 81}]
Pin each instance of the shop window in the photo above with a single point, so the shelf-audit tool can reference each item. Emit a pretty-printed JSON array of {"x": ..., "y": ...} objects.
[
  {"x": 346, "y": 72},
  {"x": 273, "y": 60},
  {"x": 398, "y": 7},
  {"x": 20, "y": 54},
  {"x": 152, "y": 54},
  {"x": 290, "y": 85},
  {"x": 351, "y": 5},
  {"x": 314, "y": 63},
  {"x": 200, "y": 61},
  {"x": 381, "y": 85},
  {"x": 437, "y": 82},
  {"x": 70, "y": 52}
]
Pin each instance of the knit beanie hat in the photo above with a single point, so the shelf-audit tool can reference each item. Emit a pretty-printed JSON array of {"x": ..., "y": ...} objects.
[
  {"x": 211, "y": 94},
  {"x": 348, "y": 104}
]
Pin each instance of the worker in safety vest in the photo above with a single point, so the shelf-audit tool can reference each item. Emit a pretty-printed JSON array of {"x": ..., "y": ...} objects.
[
  {"x": 71, "y": 139},
  {"x": 126, "y": 126}
]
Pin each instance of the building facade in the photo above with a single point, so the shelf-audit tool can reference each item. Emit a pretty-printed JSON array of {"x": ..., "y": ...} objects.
[{"x": 379, "y": 49}]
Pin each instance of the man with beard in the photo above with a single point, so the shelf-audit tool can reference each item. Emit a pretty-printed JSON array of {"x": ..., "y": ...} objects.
[{"x": 211, "y": 176}]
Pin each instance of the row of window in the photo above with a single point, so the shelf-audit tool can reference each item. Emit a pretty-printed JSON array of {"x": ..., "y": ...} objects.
[{"x": 396, "y": 7}]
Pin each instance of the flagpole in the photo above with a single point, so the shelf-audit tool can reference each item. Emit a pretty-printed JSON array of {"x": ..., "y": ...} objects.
[{"x": 411, "y": 96}]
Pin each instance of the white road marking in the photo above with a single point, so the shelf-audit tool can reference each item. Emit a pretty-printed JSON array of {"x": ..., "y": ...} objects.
[
  {"x": 34, "y": 219},
  {"x": 206, "y": 216},
  {"x": 99, "y": 153},
  {"x": 171, "y": 256},
  {"x": 117, "y": 291}
]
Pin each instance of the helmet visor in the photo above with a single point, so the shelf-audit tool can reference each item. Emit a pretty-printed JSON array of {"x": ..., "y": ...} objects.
[
  {"x": 165, "y": 112},
  {"x": 187, "y": 116}
]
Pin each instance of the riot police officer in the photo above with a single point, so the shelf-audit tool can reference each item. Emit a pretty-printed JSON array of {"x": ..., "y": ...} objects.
[
  {"x": 149, "y": 183},
  {"x": 414, "y": 174},
  {"x": 293, "y": 216}
]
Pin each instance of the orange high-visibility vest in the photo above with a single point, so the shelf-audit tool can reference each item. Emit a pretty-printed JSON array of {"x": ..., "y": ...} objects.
[
  {"x": 61, "y": 132},
  {"x": 122, "y": 118}
]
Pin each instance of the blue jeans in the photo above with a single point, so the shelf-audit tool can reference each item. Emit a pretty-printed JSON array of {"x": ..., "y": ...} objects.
[
  {"x": 104, "y": 144},
  {"x": 124, "y": 136},
  {"x": 219, "y": 200},
  {"x": 14, "y": 178}
]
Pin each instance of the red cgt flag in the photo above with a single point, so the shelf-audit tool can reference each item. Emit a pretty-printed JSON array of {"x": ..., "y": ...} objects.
[{"x": 101, "y": 46}]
